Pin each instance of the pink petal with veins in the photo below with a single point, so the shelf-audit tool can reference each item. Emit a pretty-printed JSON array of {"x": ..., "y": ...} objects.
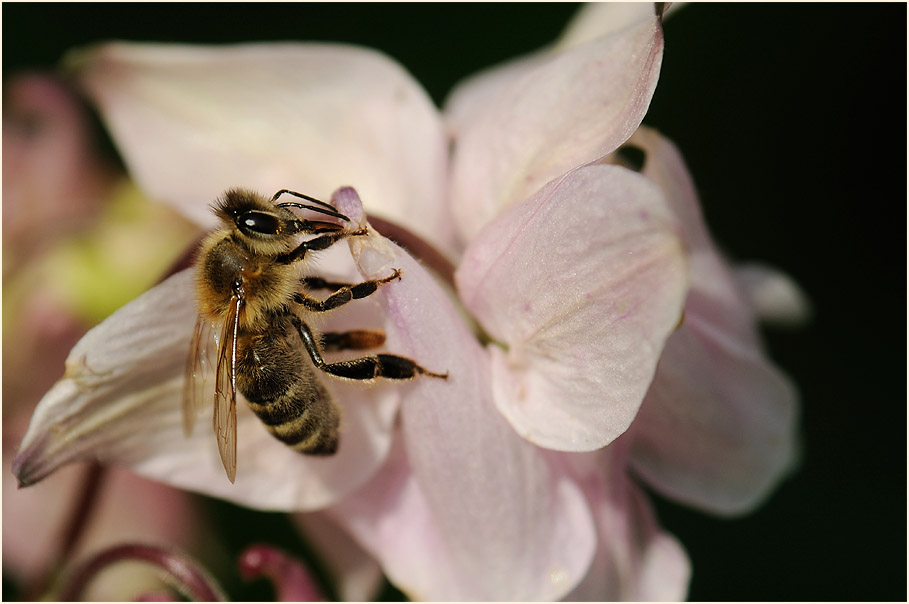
[
  {"x": 635, "y": 560},
  {"x": 580, "y": 286},
  {"x": 121, "y": 398},
  {"x": 473, "y": 511},
  {"x": 192, "y": 121},
  {"x": 713, "y": 283},
  {"x": 354, "y": 572},
  {"x": 718, "y": 429},
  {"x": 519, "y": 127},
  {"x": 596, "y": 20}
]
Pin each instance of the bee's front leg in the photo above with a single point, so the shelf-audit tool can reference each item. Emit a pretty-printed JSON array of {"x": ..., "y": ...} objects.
[{"x": 318, "y": 243}]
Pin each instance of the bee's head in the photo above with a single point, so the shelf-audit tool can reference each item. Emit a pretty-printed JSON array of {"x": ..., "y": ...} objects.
[
  {"x": 260, "y": 226},
  {"x": 265, "y": 228},
  {"x": 257, "y": 224}
]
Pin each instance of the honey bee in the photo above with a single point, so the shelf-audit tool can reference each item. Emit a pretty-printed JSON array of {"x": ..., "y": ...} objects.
[{"x": 253, "y": 303}]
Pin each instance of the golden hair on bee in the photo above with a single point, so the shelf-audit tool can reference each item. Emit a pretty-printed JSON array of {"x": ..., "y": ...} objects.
[
  {"x": 261, "y": 226},
  {"x": 250, "y": 291}
]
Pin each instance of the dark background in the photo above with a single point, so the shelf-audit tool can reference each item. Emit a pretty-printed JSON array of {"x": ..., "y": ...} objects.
[{"x": 792, "y": 120}]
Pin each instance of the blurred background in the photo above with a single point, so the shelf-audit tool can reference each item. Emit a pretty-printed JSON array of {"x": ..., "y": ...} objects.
[{"x": 792, "y": 119}]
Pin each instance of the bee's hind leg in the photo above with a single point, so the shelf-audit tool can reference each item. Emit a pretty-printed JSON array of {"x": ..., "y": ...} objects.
[{"x": 389, "y": 366}]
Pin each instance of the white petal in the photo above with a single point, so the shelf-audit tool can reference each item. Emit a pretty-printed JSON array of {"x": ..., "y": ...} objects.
[
  {"x": 478, "y": 541},
  {"x": 665, "y": 571},
  {"x": 356, "y": 574},
  {"x": 120, "y": 402},
  {"x": 636, "y": 560},
  {"x": 713, "y": 284},
  {"x": 774, "y": 296},
  {"x": 582, "y": 284},
  {"x": 718, "y": 427},
  {"x": 192, "y": 121},
  {"x": 390, "y": 518},
  {"x": 521, "y": 126},
  {"x": 473, "y": 511},
  {"x": 598, "y": 19}
]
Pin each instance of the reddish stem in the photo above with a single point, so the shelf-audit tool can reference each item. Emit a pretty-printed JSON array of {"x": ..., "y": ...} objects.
[
  {"x": 73, "y": 529},
  {"x": 180, "y": 571}
]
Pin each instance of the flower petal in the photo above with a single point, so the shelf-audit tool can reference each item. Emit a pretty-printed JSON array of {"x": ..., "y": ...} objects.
[
  {"x": 520, "y": 126},
  {"x": 636, "y": 560},
  {"x": 712, "y": 280},
  {"x": 445, "y": 523},
  {"x": 120, "y": 402},
  {"x": 356, "y": 575},
  {"x": 390, "y": 518},
  {"x": 774, "y": 296},
  {"x": 718, "y": 427},
  {"x": 533, "y": 544},
  {"x": 582, "y": 283},
  {"x": 192, "y": 121},
  {"x": 598, "y": 19}
]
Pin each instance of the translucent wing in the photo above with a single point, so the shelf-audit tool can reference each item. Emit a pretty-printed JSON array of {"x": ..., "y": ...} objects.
[
  {"x": 199, "y": 373},
  {"x": 225, "y": 415}
]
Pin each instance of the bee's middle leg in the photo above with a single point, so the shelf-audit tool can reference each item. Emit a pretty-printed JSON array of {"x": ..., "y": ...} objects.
[
  {"x": 344, "y": 294},
  {"x": 356, "y": 339}
]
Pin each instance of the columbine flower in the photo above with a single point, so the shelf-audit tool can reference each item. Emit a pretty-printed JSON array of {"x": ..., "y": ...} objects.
[{"x": 510, "y": 480}]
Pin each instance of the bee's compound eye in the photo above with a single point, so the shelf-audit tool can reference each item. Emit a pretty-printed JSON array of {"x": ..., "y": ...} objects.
[{"x": 258, "y": 223}]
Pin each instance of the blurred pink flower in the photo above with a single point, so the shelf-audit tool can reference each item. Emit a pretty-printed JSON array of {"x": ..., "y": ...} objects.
[
  {"x": 56, "y": 180},
  {"x": 58, "y": 192},
  {"x": 497, "y": 484}
]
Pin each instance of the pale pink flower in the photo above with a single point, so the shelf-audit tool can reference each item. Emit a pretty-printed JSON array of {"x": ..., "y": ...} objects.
[
  {"x": 732, "y": 413},
  {"x": 510, "y": 480}
]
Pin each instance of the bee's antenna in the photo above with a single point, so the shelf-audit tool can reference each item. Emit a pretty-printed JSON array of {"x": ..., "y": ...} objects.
[
  {"x": 325, "y": 209},
  {"x": 293, "y": 204}
]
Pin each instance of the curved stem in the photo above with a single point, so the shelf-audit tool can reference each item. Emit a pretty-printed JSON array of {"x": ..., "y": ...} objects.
[
  {"x": 180, "y": 571},
  {"x": 81, "y": 514},
  {"x": 72, "y": 529}
]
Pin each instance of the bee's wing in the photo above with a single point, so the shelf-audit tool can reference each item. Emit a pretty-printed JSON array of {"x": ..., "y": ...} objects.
[
  {"x": 225, "y": 415},
  {"x": 199, "y": 373}
]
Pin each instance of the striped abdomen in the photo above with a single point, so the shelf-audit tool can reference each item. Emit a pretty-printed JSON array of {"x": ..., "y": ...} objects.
[{"x": 282, "y": 389}]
